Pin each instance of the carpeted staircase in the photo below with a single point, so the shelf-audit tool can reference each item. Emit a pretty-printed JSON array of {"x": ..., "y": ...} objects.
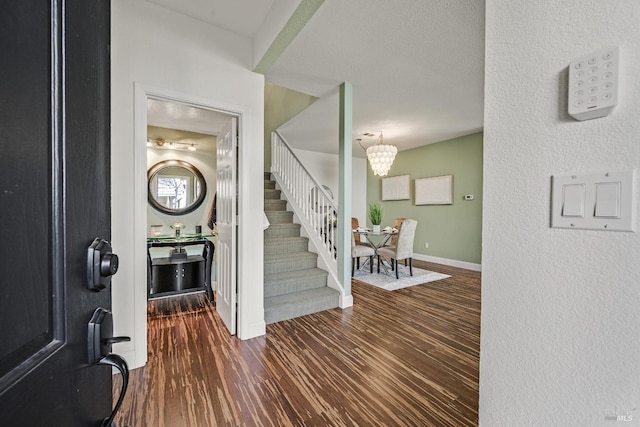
[{"x": 293, "y": 285}]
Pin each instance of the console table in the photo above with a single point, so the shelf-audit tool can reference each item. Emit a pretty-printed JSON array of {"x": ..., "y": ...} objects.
[{"x": 179, "y": 273}]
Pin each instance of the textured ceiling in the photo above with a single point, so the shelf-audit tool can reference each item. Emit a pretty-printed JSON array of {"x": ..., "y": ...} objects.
[
  {"x": 182, "y": 123},
  {"x": 178, "y": 116},
  {"x": 416, "y": 66},
  {"x": 243, "y": 17}
]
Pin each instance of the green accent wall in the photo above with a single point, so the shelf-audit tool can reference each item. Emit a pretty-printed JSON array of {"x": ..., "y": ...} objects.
[
  {"x": 452, "y": 231},
  {"x": 280, "y": 106}
]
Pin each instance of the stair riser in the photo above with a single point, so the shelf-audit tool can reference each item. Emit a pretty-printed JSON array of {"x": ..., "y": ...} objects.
[
  {"x": 289, "y": 230},
  {"x": 285, "y": 248},
  {"x": 282, "y": 265},
  {"x": 280, "y": 217},
  {"x": 270, "y": 184},
  {"x": 281, "y": 288},
  {"x": 301, "y": 309},
  {"x": 271, "y": 194},
  {"x": 275, "y": 205}
]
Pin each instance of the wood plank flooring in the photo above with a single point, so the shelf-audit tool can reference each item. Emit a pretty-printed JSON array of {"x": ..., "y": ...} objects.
[{"x": 404, "y": 358}]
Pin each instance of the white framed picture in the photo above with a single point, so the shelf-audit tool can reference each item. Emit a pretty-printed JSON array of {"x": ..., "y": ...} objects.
[
  {"x": 434, "y": 190},
  {"x": 396, "y": 188}
]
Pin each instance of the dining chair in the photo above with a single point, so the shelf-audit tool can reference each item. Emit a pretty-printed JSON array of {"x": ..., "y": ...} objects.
[
  {"x": 358, "y": 251},
  {"x": 403, "y": 250},
  {"x": 396, "y": 224},
  {"x": 354, "y": 225}
]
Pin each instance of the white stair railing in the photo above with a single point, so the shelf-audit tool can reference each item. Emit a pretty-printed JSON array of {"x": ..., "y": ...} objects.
[{"x": 310, "y": 202}]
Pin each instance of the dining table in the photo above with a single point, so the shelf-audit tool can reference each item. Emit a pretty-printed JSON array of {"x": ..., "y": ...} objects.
[{"x": 377, "y": 239}]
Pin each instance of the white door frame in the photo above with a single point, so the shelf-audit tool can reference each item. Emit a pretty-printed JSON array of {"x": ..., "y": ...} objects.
[{"x": 141, "y": 93}]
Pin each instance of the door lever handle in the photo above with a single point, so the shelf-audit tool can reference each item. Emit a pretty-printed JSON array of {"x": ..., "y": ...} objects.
[
  {"x": 100, "y": 338},
  {"x": 114, "y": 340},
  {"x": 100, "y": 335}
]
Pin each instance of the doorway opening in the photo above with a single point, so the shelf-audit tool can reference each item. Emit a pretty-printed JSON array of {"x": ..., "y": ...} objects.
[
  {"x": 176, "y": 127},
  {"x": 181, "y": 190}
]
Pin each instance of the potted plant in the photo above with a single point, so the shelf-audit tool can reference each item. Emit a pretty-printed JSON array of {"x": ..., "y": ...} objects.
[{"x": 375, "y": 215}]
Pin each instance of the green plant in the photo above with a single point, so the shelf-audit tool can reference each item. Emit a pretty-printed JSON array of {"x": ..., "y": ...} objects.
[{"x": 375, "y": 213}]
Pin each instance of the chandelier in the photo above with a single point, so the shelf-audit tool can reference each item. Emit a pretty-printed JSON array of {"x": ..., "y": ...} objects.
[{"x": 381, "y": 156}]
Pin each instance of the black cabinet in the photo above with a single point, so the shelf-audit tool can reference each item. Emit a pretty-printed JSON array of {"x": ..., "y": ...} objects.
[{"x": 177, "y": 275}]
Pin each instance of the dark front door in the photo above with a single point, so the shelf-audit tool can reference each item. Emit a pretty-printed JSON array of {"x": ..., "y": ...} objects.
[{"x": 54, "y": 200}]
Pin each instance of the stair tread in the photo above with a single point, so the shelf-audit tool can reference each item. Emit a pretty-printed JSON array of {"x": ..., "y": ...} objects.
[
  {"x": 289, "y": 256},
  {"x": 285, "y": 225},
  {"x": 273, "y": 303},
  {"x": 279, "y": 213},
  {"x": 292, "y": 275},
  {"x": 281, "y": 240}
]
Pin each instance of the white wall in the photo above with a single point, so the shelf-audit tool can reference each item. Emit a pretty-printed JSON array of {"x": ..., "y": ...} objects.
[
  {"x": 154, "y": 47},
  {"x": 324, "y": 168},
  {"x": 560, "y": 308}
]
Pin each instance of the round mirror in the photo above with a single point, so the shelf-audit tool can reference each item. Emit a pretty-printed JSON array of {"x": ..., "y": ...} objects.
[{"x": 176, "y": 187}]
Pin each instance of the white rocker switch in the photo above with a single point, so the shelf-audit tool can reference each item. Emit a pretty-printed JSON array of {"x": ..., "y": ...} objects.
[
  {"x": 607, "y": 200},
  {"x": 573, "y": 200}
]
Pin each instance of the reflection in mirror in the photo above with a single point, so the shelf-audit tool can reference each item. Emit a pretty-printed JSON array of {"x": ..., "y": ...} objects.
[{"x": 176, "y": 187}]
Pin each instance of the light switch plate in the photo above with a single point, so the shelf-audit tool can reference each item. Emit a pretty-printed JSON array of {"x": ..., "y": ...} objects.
[
  {"x": 595, "y": 201},
  {"x": 593, "y": 84}
]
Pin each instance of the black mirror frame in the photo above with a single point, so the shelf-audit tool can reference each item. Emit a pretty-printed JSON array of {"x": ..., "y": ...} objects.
[{"x": 153, "y": 171}]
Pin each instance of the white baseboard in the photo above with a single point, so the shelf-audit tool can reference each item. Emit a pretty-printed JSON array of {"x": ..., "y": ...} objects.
[
  {"x": 346, "y": 301},
  {"x": 253, "y": 330},
  {"x": 447, "y": 261}
]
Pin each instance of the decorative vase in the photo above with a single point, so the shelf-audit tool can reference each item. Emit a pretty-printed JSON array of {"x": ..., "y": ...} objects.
[
  {"x": 177, "y": 227},
  {"x": 376, "y": 228}
]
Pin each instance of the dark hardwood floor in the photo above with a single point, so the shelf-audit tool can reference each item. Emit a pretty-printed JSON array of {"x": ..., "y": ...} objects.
[{"x": 403, "y": 358}]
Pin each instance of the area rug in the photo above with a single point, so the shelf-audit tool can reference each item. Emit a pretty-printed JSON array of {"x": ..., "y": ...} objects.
[{"x": 389, "y": 282}]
